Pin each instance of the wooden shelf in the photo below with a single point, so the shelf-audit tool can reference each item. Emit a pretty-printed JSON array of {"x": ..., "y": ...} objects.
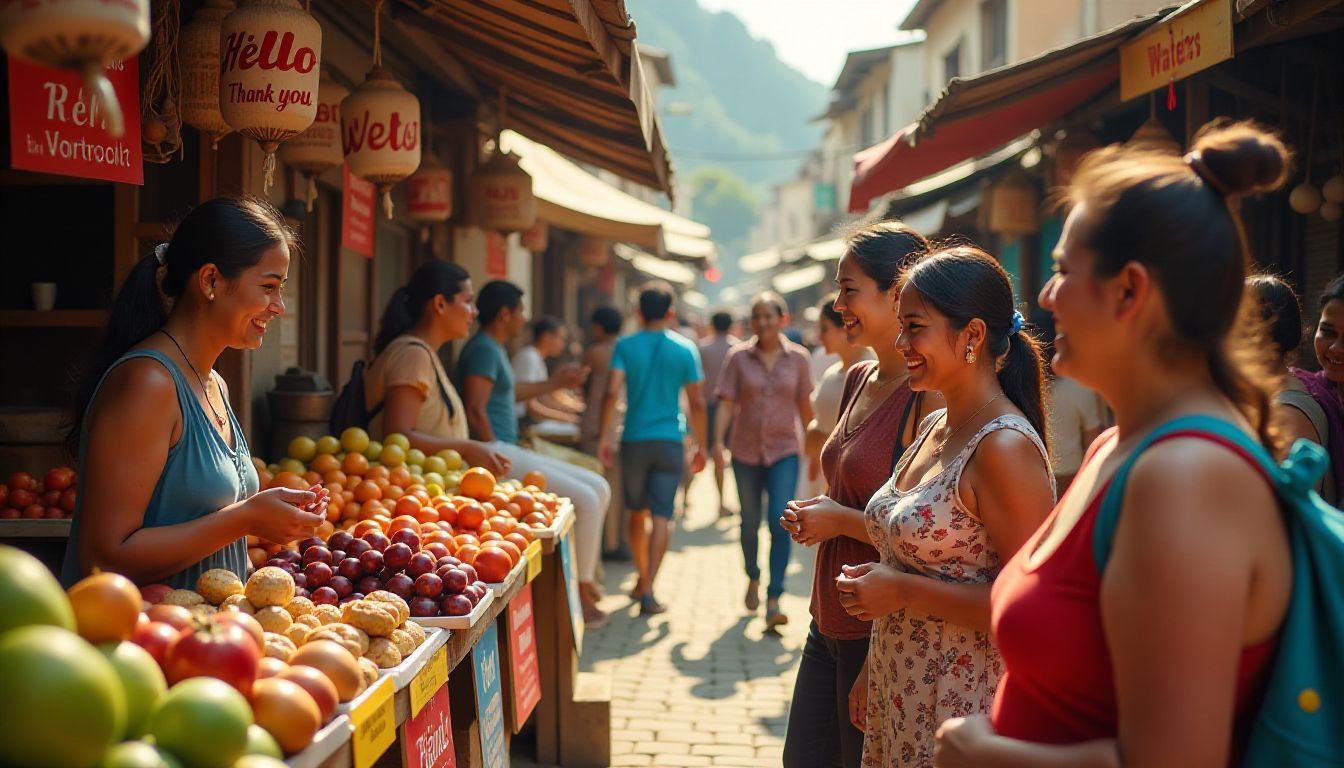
[
  {"x": 34, "y": 529},
  {"x": 56, "y": 318}
]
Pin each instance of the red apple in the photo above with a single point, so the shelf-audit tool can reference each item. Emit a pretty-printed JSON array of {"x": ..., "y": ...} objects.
[
  {"x": 397, "y": 556},
  {"x": 154, "y": 593},
  {"x": 325, "y": 596},
  {"x": 455, "y": 580},
  {"x": 456, "y": 605},
  {"x": 424, "y": 606},
  {"x": 420, "y": 563},
  {"x": 155, "y": 637},
  {"x": 309, "y": 543},
  {"x": 350, "y": 569},
  {"x": 356, "y": 547},
  {"x": 222, "y": 651},
  {"x": 401, "y": 586},
  {"x": 342, "y": 585},
  {"x": 318, "y": 573},
  {"x": 340, "y": 540},
  {"x": 437, "y": 549},
  {"x": 408, "y": 537},
  {"x": 369, "y": 584},
  {"x": 376, "y": 540},
  {"x": 371, "y": 561},
  {"x": 318, "y": 553},
  {"x": 428, "y": 585},
  {"x": 175, "y": 615}
]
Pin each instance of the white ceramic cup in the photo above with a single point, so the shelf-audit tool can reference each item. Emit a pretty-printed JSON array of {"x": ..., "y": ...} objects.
[{"x": 44, "y": 296}]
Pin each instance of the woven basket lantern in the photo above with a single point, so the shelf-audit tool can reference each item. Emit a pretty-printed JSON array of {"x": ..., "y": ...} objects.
[
  {"x": 198, "y": 52},
  {"x": 81, "y": 35},
  {"x": 1152, "y": 136},
  {"x": 1013, "y": 207},
  {"x": 430, "y": 191},
  {"x": 380, "y": 129},
  {"x": 268, "y": 76},
  {"x": 318, "y": 149},
  {"x": 501, "y": 195}
]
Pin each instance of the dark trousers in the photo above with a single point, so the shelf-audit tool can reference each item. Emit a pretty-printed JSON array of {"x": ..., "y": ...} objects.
[
  {"x": 819, "y": 733},
  {"x": 772, "y": 485}
]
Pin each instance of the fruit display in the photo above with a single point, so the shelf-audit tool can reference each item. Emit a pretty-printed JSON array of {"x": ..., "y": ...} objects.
[{"x": 51, "y": 497}]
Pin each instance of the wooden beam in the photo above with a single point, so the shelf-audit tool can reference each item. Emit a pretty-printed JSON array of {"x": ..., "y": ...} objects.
[{"x": 1285, "y": 21}]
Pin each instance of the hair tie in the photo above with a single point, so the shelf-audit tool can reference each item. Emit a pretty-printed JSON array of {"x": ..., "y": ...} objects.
[
  {"x": 1196, "y": 162},
  {"x": 161, "y": 254},
  {"x": 1018, "y": 320}
]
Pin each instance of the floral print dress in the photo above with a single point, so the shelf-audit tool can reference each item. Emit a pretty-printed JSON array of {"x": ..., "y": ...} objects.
[{"x": 923, "y": 670}]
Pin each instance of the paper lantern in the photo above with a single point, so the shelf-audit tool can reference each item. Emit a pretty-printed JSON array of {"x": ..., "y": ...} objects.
[
  {"x": 1013, "y": 208},
  {"x": 1154, "y": 137},
  {"x": 380, "y": 128},
  {"x": 318, "y": 149},
  {"x": 536, "y": 238},
  {"x": 1333, "y": 189},
  {"x": 82, "y": 35},
  {"x": 501, "y": 195},
  {"x": 1305, "y": 198},
  {"x": 198, "y": 53},
  {"x": 269, "y": 74},
  {"x": 430, "y": 191}
]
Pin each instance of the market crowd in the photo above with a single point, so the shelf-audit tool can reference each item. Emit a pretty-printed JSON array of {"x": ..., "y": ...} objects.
[{"x": 1008, "y": 571}]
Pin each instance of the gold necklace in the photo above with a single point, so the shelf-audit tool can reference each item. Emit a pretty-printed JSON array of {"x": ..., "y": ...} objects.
[{"x": 938, "y": 449}]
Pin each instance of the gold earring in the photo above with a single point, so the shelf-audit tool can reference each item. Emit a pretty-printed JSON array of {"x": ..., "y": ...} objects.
[{"x": 970, "y": 354}]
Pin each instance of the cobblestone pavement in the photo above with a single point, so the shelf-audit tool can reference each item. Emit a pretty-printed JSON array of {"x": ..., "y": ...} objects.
[{"x": 703, "y": 683}]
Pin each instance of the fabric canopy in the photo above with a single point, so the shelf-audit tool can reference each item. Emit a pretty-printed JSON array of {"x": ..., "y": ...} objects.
[
  {"x": 662, "y": 269},
  {"x": 978, "y": 114},
  {"x": 571, "y": 198},
  {"x": 570, "y": 71}
]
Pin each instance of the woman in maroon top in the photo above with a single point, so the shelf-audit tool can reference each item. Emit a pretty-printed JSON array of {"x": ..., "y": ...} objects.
[
  {"x": 878, "y": 417},
  {"x": 1157, "y": 659}
]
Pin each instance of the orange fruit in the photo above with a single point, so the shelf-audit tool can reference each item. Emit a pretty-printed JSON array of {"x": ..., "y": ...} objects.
[
  {"x": 470, "y": 516},
  {"x": 324, "y": 463},
  {"x": 526, "y": 503},
  {"x": 491, "y": 536},
  {"x": 467, "y": 553},
  {"x": 427, "y": 515},
  {"x": 404, "y": 521},
  {"x": 368, "y": 491},
  {"x": 535, "y": 518},
  {"x": 467, "y": 539},
  {"x": 407, "y": 505},
  {"x": 447, "y": 513},
  {"x": 519, "y": 539},
  {"x": 477, "y": 482},
  {"x": 515, "y": 554},
  {"x": 499, "y": 499},
  {"x": 440, "y": 536},
  {"x": 399, "y": 476},
  {"x": 502, "y": 524},
  {"x": 376, "y": 473},
  {"x": 355, "y": 464},
  {"x": 334, "y": 477},
  {"x": 492, "y": 564},
  {"x": 289, "y": 480},
  {"x": 366, "y": 526},
  {"x": 312, "y": 477},
  {"x": 535, "y": 478}
]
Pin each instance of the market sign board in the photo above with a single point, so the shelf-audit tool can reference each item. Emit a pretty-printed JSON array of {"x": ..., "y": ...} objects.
[
  {"x": 428, "y": 742},
  {"x": 375, "y": 723},
  {"x": 1192, "y": 39},
  {"x": 571, "y": 579},
  {"x": 55, "y": 127},
  {"x": 525, "y": 676},
  {"x": 489, "y": 698},
  {"x": 356, "y": 213}
]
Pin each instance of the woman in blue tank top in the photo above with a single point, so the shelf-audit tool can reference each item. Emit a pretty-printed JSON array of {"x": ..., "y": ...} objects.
[{"x": 167, "y": 487}]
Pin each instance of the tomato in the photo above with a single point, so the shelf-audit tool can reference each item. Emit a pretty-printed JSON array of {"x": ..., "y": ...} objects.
[
  {"x": 34, "y": 511},
  {"x": 220, "y": 651},
  {"x": 155, "y": 637},
  {"x": 68, "y": 499},
  {"x": 59, "y": 479},
  {"x": 4, "y": 495},
  {"x": 22, "y": 481},
  {"x": 246, "y": 622},
  {"x": 20, "y": 498}
]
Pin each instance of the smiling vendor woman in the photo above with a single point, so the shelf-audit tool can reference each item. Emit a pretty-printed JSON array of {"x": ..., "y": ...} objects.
[{"x": 167, "y": 487}]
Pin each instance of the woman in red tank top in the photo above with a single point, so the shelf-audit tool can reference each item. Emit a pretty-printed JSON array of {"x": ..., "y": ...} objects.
[
  {"x": 878, "y": 415},
  {"x": 1155, "y": 660}
]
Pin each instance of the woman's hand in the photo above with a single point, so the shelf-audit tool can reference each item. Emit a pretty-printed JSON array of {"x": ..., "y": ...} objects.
[
  {"x": 479, "y": 454},
  {"x": 869, "y": 591},
  {"x": 858, "y": 699},
  {"x": 812, "y": 521},
  {"x": 957, "y": 743},
  {"x": 281, "y": 515}
]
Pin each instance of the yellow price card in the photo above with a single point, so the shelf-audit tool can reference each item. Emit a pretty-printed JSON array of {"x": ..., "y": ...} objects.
[
  {"x": 375, "y": 722},
  {"x": 429, "y": 681},
  {"x": 533, "y": 555}
]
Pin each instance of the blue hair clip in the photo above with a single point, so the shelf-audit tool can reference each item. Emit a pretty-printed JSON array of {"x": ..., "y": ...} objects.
[{"x": 1018, "y": 320}]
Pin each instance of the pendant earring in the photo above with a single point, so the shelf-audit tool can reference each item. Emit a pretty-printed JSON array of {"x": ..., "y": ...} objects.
[{"x": 970, "y": 354}]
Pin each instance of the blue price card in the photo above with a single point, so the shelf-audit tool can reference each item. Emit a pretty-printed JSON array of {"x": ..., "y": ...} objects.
[
  {"x": 572, "y": 592},
  {"x": 489, "y": 698}
]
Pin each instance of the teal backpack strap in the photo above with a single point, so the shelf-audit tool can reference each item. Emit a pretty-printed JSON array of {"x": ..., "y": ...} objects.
[{"x": 1108, "y": 516}]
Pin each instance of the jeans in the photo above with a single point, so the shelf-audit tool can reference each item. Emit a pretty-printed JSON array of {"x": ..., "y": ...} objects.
[
  {"x": 819, "y": 731},
  {"x": 777, "y": 483}
]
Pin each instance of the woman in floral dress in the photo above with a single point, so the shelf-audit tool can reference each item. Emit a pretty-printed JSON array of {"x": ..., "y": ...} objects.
[{"x": 972, "y": 488}]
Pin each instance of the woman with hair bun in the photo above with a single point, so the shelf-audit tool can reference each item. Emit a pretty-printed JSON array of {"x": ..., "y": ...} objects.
[
  {"x": 167, "y": 488},
  {"x": 1152, "y": 654},
  {"x": 972, "y": 487}
]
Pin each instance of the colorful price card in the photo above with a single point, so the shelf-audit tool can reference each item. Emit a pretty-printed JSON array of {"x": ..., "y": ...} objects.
[
  {"x": 428, "y": 742},
  {"x": 572, "y": 591},
  {"x": 489, "y": 699},
  {"x": 525, "y": 676},
  {"x": 533, "y": 555},
  {"x": 375, "y": 722},
  {"x": 429, "y": 681}
]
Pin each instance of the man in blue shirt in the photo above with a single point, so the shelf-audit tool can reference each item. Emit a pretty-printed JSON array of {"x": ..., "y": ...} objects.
[{"x": 653, "y": 367}]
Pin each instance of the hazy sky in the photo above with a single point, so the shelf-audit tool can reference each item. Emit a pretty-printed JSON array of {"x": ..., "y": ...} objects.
[{"x": 813, "y": 36}]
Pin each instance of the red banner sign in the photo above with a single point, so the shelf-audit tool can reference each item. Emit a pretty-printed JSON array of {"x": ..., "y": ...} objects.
[
  {"x": 55, "y": 127},
  {"x": 523, "y": 658},
  {"x": 496, "y": 255},
  {"x": 429, "y": 735},
  {"x": 357, "y": 197}
]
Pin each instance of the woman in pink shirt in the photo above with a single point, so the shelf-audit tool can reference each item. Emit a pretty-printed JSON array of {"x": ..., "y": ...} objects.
[{"x": 766, "y": 384}]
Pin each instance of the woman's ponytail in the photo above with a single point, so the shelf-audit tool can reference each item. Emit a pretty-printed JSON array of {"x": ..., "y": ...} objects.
[
  {"x": 408, "y": 303},
  {"x": 1022, "y": 378},
  {"x": 397, "y": 319}
]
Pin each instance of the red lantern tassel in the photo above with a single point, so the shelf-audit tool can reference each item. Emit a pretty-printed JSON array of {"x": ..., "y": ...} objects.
[{"x": 1171, "y": 96}]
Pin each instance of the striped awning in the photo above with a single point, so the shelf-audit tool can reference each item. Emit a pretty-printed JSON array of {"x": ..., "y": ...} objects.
[{"x": 570, "y": 72}]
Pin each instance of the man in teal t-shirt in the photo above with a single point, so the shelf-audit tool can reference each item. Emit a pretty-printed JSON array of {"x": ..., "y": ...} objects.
[{"x": 653, "y": 367}]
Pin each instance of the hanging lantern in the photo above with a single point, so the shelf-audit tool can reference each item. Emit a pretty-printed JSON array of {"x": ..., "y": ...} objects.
[
  {"x": 1333, "y": 189},
  {"x": 430, "y": 191},
  {"x": 1012, "y": 206},
  {"x": 1069, "y": 152},
  {"x": 380, "y": 126},
  {"x": 81, "y": 35},
  {"x": 1331, "y": 211},
  {"x": 198, "y": 52},
  {"x": 318, "y": 149},
  {"x": 594, "y": 251},
  {"x": 536, "y": 238},
  {"x": 1305, "y": 198},
  {"x": 1152, "y": 136},
  {"x": 268, "y": 78},
  {"x": 501, "y": 195}
]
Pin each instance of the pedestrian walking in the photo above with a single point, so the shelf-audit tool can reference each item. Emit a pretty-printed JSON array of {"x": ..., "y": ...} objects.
[
  {"x": 972, "y": 487},
  {"x": 490, "y": 392},
  {"x": 766, "y": 385},
  {"x": 1325, "y": 385},
  {"x": 167, "y": 489},
  {"x": 713, "y": 351},
  {"x": 1144, "y": 639},
  {"x": 652, "y": 368},
  {"x": 879, "y": 415}
]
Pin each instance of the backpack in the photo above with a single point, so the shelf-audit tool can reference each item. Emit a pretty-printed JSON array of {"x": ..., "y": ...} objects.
[
  {"x": 348, "y": 409},
  {"x": 1300, "y": 721}
]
